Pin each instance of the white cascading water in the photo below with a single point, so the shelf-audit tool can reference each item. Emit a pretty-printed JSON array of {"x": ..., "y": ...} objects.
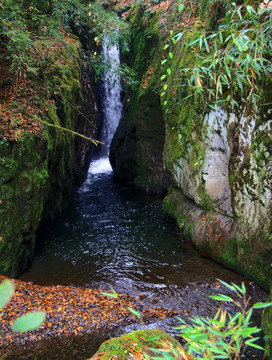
[
  {"x": 111, "y": 93},
  {"x": 111, "y": 106}
]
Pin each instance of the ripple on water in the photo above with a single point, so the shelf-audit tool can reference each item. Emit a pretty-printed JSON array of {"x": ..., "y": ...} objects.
[{"x": 114, "y": 237}]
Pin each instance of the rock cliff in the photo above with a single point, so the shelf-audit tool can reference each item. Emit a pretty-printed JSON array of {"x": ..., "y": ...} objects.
[
  {"x": 40, "y": 170},
  {"x": 218, "y": 159}
]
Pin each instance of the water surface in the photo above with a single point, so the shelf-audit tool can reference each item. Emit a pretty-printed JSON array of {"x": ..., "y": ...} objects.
[{"x": 112, "y": 236}]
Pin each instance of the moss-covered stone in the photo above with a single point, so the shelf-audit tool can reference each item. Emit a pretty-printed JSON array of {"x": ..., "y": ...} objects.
[
  {"x": 138, "y": 344},
  {"x": 39, "y": 173}
]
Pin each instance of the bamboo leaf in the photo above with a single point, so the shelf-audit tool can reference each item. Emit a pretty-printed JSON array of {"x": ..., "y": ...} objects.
[
  {"x": 254, "y": 345},
  {"x": 261, "y": 305},
  {"x": 181, "y": 7},
  {"x": 200, "y": 42},
  {"x": 178, "y": 36},
  {"x": 193, "y": 42},
  {"x": 206, "y": 45},
  {"x": 248, "y": 316},
  {"x": 110, "y": 295},
  {"x": 134, "y": 312},
  {"x": 238, "y": 288},
  {"x": 221, "y": 297},
  {"x": 6, "y": 292},
  {"x": 29, "y": 321}
]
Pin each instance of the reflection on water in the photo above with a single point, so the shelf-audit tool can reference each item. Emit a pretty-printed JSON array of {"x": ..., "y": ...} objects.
[{"x": 113, "y": 236}]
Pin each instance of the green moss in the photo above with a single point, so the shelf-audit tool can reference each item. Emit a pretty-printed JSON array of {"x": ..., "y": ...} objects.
[
  {"x": 171, "y": 202},
  {"x": 205, "y": 202},
  {"x": 36, "y": 171},
  {"x": 137, "y": 342},
  {"x": 232, "y": 179}
]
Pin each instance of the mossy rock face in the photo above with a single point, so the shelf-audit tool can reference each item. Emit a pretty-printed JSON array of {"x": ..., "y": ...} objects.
[
  {"x": 215, "y": 236},
  {"x": 219, "y": 161},
  {"x": 40, "y": 173},
  {"x": 137, "y": 147},
  {"x": 22, "y": 178},
  {"x": 137, "y": 345}
]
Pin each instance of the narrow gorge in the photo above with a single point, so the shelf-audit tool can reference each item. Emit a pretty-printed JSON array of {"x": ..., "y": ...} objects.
[{"x": 177, "y": 96}]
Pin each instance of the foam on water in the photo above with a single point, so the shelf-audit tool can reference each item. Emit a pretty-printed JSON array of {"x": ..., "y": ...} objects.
[{"x": 100, "y": 166}]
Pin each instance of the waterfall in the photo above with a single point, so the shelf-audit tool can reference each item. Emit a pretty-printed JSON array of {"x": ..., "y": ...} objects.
[{"x": 111, "y": 94}]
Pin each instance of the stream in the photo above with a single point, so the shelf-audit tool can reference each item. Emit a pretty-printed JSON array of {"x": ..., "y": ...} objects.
[{"x": 112, "y": 236}]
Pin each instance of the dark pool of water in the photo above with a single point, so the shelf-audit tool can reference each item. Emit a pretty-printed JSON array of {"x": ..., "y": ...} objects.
[{"x": 112, "y": 236}]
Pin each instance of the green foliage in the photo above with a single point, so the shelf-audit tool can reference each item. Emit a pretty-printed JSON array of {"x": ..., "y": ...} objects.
[
  {"x": 23, "y": 22},
  {"x": 29, "y": 321},
  {"x": 71, "y": 13},
  {"x": 6, "y": 291},
  {"x": 224, "y": 336},
  {"x": 234, "y": 62},
  {"x": 107, "y": 23},
  {"x": 15, "y": 34},
  {"x": 100, "y": 65},
  {"x": 166, "y": 63}
]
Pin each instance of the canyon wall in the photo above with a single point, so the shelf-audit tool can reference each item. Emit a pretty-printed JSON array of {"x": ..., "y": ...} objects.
[
  {"x": 218, "y": 160},
  {"x": 41, "y": 170}
]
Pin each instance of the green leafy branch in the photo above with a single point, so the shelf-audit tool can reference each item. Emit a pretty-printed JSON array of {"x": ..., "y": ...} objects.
[
  {"x": 233, "y": 63},
  {"x": 102, "y": 66},
  {"x": 105, "y": 22},
  {"x": 166, "y": 62},
  {"x": 224, "y": 336}
]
